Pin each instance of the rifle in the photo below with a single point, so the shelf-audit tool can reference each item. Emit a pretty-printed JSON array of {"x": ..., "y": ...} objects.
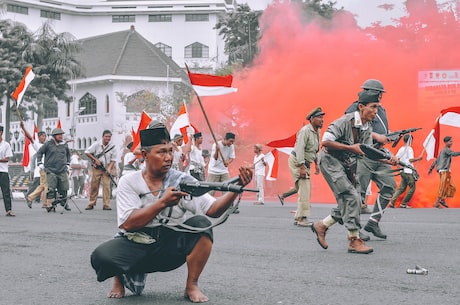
[
  {"x": 396, "y": 136},
  {"x": 102, "y": 167},
  {"x": 198, "y": 188},
  {"x": 378, "y": 154}
]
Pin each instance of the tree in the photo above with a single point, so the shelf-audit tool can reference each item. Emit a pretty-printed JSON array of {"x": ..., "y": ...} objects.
[
  {"x": 240, "y": 30},
  {"x": 316, "y": 9},
  {"x": 14, "y": 40},
  {"x": 53, "y": 58}
]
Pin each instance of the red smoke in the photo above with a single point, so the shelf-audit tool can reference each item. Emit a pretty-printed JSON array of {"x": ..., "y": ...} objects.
[{"x": 301, "y": 66}]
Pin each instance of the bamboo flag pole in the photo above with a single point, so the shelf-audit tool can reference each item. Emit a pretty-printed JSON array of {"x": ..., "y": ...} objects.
[
  {"x": 210, "y": 129},
  {"x": 219, "y": 151}
]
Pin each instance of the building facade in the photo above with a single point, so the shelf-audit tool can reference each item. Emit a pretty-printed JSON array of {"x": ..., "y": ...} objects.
[{"x": 129, "y": 48}]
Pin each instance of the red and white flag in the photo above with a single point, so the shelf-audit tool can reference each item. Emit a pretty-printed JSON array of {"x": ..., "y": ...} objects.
[
  {"x": 284, "y": 146},
  {"x": 272, "y": 160},
  {"x": 182, "y": 124},
  {"x": 21, "y": 89},
  {"x": 29, "y": 151},
  {"x": 211, "y": 85},
  {"x": 143, "y": 124},
  {"x": 449, "y": 116}
]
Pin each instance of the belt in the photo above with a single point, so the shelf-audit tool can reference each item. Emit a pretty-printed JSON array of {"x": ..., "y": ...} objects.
[
  {"x": 307, "y": 164},
  {"x": 153, "y": 231}
]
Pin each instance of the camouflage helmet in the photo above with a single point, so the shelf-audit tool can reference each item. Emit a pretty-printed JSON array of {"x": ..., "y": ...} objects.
[
  {"x": 57, "y": 131},
  {"x": 373, "y": 84}
]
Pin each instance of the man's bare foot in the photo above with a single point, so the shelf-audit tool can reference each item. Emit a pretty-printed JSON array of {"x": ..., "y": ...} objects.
[
  {"x": 195, "y": 295},
  {"x": 118, "y": 290}
]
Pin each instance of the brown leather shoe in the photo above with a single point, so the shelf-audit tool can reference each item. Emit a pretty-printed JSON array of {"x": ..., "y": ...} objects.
[
  {"x": 107, "y": 208},
  {"x": 357, "y": 245},
  {"x": 89, "y": 207},
  {"x": 319, "y": 228}
]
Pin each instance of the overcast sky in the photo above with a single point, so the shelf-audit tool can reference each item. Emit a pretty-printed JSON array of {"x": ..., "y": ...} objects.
[{"x": 367, "y": 11}]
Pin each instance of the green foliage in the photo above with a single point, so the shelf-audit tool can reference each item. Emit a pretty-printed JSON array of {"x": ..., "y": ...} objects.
[
  {"x": 52, "y": 57},
  {"x": 240, "y": 30},
  {"x": 314, "y": 9}
]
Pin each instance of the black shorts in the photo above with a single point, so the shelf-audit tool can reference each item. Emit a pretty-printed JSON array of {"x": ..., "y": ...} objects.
[{"x": 122, "y": 256}]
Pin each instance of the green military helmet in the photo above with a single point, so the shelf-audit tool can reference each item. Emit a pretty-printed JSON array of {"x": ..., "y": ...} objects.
[
  {"x": 373, "y": 84},
  {"x": 57, "y": 131}
]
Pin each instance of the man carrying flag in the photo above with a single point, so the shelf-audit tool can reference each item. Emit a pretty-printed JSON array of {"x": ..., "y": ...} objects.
[{"x": 39, "y": 185}]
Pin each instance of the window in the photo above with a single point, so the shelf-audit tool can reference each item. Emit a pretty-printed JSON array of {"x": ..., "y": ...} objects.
[
  {"x": 89, "y": 102},
  {"x": 68, "y": 109},
  {"x": 51, "y": 111},
  {"x": 123, "y": 18},
  {"x": 160, "y": 18},
  {"x": 196, "y": 17},
  {"x": 50, "y": 15},
  {"x": 17, "y": 9},
  {"x": 196, "y": 50},
  {"x": 164, "y": 48}
]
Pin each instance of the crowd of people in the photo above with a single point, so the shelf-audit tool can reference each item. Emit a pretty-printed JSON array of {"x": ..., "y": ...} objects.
[{"x": 161, "y": 227}]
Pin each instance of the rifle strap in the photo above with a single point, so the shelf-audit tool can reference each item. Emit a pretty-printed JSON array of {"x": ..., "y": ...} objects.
[
  {"x": 181, "y": 227},
  {"x": 104, "y": 152}
]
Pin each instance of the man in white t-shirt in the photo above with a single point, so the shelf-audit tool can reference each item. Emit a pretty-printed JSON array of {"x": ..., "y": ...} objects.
[
  {"x": 218, "y": 168},
  {"x": 5, "y": 154},
  {"x": 39, "y": 186},
  {"x": 259, "y": 173},
  {"x": 406, "y": 155},
  {"x": 152, "y": 217}
]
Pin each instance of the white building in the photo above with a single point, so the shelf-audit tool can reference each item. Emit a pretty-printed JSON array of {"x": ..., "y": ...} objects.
[
  {"x": 183, "y": 29},
  {"x": 129, "y": 47}
]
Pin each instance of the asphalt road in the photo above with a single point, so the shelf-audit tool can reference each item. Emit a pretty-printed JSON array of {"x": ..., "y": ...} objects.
[{"x": 259, "y": 257}]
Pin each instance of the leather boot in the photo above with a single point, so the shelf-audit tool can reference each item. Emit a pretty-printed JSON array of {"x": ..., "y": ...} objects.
[
  {"x": 373, "y": 227},
  {"x": 364, "y": 237},
  {"x": 357, "y": 245},
  {"x": 319, "y": 228},
  {"x": 365, "y": 209}
]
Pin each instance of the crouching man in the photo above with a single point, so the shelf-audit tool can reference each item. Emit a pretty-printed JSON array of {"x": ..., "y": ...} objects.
[{"x": 150, "y": 210}]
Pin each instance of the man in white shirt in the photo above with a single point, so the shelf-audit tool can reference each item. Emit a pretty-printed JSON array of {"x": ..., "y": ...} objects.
[
  {"x": 218, "y": 167},
  {"x": 103, "y": 155},
  {"x": 5, "y": 154},
  {"x": 39, "y": 186},
  {"x": 406, "y": 155}
]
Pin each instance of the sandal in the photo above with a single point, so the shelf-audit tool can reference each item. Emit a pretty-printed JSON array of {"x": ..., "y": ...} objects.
[{"x": 10, "y": 214}]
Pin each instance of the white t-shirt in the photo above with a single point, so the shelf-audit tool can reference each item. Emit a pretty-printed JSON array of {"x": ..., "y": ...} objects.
[
  {"x": 196, "y": 156},
  {"x": 128, "y": 199},
  {"x": 217, "y": 167},
  {"x": 36, "y": 146},
  {"x": 404, "y": 154},
  {"x": 5, "y": 152},
  {"x": 259, "y": 167}
]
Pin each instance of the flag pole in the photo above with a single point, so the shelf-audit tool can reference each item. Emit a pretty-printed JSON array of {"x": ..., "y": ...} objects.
[
  {"x": 207, "y": 122},
  {"x": 210, "y": 128}
]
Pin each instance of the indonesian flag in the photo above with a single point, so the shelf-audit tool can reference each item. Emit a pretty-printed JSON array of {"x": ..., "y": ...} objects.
[
  {"x": 284, "y": 145},
  {"x": 211, "y": 85},
  {"x": 182, "y": 124},
  {"x": 143, "y": 124},
  {"x": 449, "y": 116},
  {"x": 21, "y": 89},
  {"x": 272, "y": 160},
  {"x": 28, "y": 151}
]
